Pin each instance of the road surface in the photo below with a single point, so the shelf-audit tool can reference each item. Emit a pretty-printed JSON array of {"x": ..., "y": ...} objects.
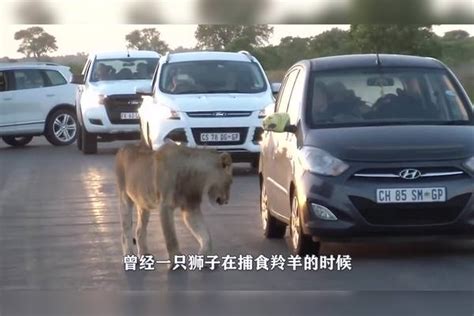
[{"x": 60, "y": 248}]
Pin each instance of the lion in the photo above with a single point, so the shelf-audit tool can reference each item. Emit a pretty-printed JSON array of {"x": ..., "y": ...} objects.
[{"x": 173, "y": 177}]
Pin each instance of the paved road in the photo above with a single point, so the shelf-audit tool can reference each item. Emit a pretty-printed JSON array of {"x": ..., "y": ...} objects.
[{"x": 59, "y": 235}]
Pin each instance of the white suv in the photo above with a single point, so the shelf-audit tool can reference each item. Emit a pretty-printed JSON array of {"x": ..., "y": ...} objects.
[
  {"x": 212, "y": 99},
  {"x": 106, "y": 100},
  {"x": 36, "y": 99}
]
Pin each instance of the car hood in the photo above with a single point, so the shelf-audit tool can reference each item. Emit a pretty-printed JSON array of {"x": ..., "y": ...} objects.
[
  {"x": 118, "y": 87},
  {"x": 218, "y": 102},
  {"x": 395, "y": 143}
]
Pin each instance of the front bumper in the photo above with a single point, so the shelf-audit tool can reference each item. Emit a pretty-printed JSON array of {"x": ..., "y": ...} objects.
[
  {"x": 352, "y": 200},
  {"x": 96, "y": 121},
  {"x": 186, "y": 130}
]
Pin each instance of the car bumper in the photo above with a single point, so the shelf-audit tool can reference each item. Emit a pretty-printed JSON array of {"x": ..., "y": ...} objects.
[
  {"x": 96, "y": 121},
  {"x": 353, "y": 202},
  {"x": 187, "y": 131}
]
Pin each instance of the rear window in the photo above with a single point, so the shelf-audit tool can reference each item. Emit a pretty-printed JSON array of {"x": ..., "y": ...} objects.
[
  {"x": 384, "y": 96},
  {"x": 212, "y": 76},
  {"x": 55, "y": 78}
]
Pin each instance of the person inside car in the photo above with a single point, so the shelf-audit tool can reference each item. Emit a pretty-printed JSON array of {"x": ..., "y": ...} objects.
[
  {"x": 343, "y": 103},
  {"x": 142, "y": 71},
  {"x": 319, "y": 106},
  {"x": 101, "y": 73}
]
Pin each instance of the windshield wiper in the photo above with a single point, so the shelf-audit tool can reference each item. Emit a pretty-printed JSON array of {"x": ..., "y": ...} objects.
[
  {"x": 456, "y": 122},
  {"x": 222, "y": 91}
]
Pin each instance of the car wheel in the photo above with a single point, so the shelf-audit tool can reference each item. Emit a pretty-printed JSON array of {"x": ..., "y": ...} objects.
[
  {"x": 61, "y": 128},
  {"x": 79, "y": 137},
  {"x": 17, "y": 141},
  {"x": 89, "y": 142},
  {"x": 255, "y": 163},
  {"x": 272, "y": 227},
  {"x": 301, "y": 244}
]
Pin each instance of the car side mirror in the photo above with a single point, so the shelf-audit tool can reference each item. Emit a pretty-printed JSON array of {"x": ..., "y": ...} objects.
[
  {"x": 144, "y": 91},
  {"x": 278, "y": 123},
  {"x": 77, "y": 79},
  {"x": 275, "y": 88}
]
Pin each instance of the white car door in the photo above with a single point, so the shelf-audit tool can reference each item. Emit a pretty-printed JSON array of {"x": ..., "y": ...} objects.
[
  {"x": 5, "y": 101},
  {"x": 26, "y": 112}
]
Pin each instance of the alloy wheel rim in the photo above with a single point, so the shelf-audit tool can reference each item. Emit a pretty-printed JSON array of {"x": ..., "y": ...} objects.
[
  {"x": 64, "y": 127},
  {"x": 264, "y": 208},
  {"x": 295, "y": 224}
]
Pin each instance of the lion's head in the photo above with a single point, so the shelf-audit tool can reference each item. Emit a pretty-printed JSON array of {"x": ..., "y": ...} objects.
[{"x": 220, "y": 180}]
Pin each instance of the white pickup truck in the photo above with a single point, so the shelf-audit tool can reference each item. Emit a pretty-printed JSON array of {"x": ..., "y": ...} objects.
[{"x": 106, "y": 102}]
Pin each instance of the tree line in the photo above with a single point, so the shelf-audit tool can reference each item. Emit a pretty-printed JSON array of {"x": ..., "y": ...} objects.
[{"x": 455, "y": 47}]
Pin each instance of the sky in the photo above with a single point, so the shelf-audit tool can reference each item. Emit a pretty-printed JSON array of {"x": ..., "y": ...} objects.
[{"x": 74, "y": 38}]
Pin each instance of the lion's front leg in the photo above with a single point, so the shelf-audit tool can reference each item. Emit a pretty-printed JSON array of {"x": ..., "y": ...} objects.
[
  {"x": 169, "y": 232},
  {"x": 126, "y": 220},
  {"x": 141, "y": 231},
  {"x": 195, "y": 222}
]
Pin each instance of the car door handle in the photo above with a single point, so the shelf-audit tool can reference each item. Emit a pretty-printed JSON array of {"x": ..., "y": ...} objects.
[
  {"x": 50, "y": 95},
  {"x": 7, "y": 99}
]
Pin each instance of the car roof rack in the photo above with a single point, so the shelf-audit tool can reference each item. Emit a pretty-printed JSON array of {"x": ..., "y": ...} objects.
[
  {"x": 31, "y": 63},
  {"x": 246, "y": 53},
  {"x": 167, "y": 57}
]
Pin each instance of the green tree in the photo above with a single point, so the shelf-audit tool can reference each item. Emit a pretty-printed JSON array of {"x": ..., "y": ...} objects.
[
  {"x": 35, "y": 42},
  {"x": 455, "y": 35},
  {"x": 232, "y": 37},
  {"x": 332, "y": 42},
  {"x": 394, "y": 38},
  {"x": 146, "y": 39}
]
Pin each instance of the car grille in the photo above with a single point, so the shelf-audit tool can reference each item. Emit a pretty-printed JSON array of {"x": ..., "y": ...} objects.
[
  {"x": 241, "y": 130},
  {"x": 378, "y": 174},
  {"x": 410, "y": 213},
  {"x": 119, "y": 103},
  {"x": 219, "y": 114}
]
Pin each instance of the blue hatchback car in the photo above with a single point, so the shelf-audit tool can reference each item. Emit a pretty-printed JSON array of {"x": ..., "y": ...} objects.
[{"x": 367, "y": 145}]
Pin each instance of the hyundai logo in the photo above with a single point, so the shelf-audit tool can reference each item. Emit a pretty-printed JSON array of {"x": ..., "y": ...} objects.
[
  {"x": 219, "y": 114},
  {"x": 410, "y": 174}
]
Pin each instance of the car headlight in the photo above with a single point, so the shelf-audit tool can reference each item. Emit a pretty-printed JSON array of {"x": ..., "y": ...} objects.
[
  {"x": 318, "y": 161},
  {"x": 470, "y": 164},
  {"x": 165, "y": 112},
  {"x": 90, "y": 100}
]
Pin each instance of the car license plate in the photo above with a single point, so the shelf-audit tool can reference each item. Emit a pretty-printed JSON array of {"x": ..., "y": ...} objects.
[
  {"x": 129, "y": 115},
  {"x": 411, "y": 195},
  {"x": 220, "y": 137}
]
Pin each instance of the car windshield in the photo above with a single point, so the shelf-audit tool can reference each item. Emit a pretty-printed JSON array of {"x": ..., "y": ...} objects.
[
  {"x": 211, "y": 76},
  {"x": 385, "y": 96},
  {"x": 123, "y": 69}
]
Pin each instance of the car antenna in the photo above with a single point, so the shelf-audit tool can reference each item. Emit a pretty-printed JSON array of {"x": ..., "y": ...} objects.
[
  {"x": 128, "y": 53},
  {"x": 378, "y": 59}
]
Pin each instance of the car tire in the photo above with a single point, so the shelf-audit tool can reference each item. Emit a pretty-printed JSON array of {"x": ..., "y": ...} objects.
[
  {"x": 61, "y": 128},
  {"x": 272, "y": 227},
  {"x": 79, "y": 137},
  {"x": 255, "y": 162},
  {"x": 300, "y": 243},
  {"x": 89, "y": 142},
  {"x": 17, "y": 141}
]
